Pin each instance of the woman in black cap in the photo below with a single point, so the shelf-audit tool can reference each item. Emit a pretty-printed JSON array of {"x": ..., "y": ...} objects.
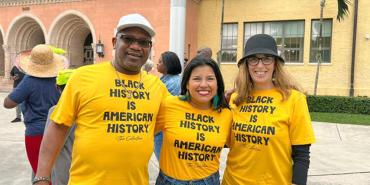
[{"x": 272, "y": 131}]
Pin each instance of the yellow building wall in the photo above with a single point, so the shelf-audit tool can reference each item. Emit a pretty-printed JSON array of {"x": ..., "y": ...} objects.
[
  {"x": 362, "y": 66},
  {"x": 334, "y": 77}
]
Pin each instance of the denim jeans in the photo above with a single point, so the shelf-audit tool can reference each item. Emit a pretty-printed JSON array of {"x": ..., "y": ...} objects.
[
  {"x": 163, "y": 179},
  {"x": 158, "y": 138},
  {"x": 18, "y": 111}
]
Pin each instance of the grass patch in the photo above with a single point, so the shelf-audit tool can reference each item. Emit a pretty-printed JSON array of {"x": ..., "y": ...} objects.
[{"x": 358, "y": 119}]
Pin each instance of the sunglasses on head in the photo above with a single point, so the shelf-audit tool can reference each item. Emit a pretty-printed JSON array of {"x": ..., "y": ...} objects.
[{"x": 127, "y": 39}]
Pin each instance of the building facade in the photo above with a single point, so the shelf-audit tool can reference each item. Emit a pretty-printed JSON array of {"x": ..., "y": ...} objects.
[
  {"x": 223, "y": 25},
  {"x": 78, "y": 26},
  {"x": 295, "y": 27}
]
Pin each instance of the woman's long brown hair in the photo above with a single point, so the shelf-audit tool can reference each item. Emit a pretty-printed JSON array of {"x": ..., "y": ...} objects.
[{"x": 282, "y": 81}]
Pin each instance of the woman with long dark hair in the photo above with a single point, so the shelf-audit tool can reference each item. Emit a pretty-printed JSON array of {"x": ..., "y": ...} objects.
[{"x": 195, "y": 127}]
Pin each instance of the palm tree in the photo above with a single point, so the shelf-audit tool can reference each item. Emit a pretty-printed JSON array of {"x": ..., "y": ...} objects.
[{"x": 342, "y": 11}]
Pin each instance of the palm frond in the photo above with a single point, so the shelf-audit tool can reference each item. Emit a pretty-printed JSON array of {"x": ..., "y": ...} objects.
[{"x": 342, "y": 9}]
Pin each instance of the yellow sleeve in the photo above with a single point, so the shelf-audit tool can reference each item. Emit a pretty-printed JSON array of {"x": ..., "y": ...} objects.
[
  {"x": 232, "y": 107},
  {"x": 228, "y": 141},
  {"x": 232, "y": 98},
  {"x": 301, "y": 130},
  {"x": 161, "y": 117},
  {"x": 160, "y": 121},
  {"x": 66, "y": 110}
]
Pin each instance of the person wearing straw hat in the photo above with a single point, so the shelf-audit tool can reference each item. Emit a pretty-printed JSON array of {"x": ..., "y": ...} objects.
[
  {"x": 60, "y": 173},
  {"x": 37, "y": 93},
  {"x": 272, "y": 132},
  {"x": 114, "y": 106}
]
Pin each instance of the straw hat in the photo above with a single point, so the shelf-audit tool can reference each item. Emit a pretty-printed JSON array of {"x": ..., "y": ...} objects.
[{"x": 42, "y": 62}]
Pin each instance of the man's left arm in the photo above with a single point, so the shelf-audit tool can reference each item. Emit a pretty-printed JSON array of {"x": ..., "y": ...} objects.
[
  {"x": 18, "y": 95},
  {"x": 9, "y": 103}
]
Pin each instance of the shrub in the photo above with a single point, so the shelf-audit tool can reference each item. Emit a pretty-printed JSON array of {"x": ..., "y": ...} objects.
[{"x": 339, "y": 104}]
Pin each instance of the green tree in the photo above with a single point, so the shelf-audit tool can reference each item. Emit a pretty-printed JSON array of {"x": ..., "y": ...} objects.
[{"x": 342, "y": 9}]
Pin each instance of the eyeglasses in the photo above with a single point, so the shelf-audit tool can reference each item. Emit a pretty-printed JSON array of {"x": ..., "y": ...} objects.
[
  {"x": 266, "y": 60},
  {"x": 130, "y": 40}
]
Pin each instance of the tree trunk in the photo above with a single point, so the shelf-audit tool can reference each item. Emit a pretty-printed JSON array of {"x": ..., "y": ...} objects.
[{"x": 318, "y": 56}]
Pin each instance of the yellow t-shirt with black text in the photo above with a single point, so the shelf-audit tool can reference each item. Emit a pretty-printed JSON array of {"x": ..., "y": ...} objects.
[
  {"x": 262, "y": 134},
  {"x": 192, "y": 139},
  {"x": 115, "y": 129}
]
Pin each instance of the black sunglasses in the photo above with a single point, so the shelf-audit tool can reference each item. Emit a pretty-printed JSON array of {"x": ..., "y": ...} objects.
[{"x": 127, "y": 39}]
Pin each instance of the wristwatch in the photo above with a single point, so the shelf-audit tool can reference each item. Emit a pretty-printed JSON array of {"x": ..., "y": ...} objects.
[{"x": 38, "y": 179}]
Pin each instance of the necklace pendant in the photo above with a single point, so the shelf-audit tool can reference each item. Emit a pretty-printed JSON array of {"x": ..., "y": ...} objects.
[{"x": 129, "y": 95}]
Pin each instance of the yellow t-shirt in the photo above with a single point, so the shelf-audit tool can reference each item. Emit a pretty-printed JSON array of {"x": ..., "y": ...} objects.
[
  {"x": 114, "y": 135},
  {"x": 262, "y": 134},
  {"x": 192, "y": 139}
]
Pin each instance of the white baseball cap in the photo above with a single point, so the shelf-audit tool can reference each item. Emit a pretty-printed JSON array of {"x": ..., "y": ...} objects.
[{"x": 135, "y": 20}]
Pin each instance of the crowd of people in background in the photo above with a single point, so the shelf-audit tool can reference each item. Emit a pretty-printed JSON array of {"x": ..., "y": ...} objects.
[{"x": 99, "y": 124}]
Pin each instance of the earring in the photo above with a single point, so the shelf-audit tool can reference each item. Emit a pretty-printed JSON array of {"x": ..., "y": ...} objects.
[
  {"x": 215, "y": 101},
  {"x": 185, "y": 97},
  {"x": 187, "y": 94}
]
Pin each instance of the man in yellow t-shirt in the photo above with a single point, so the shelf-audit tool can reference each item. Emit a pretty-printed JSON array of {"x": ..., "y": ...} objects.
[{"x": 115, "y": 106}]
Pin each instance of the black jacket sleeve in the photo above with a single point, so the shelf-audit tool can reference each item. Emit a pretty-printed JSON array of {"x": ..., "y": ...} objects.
[
  {"x": 301, "y": 163},
  {"x": 12, "y": 72}
]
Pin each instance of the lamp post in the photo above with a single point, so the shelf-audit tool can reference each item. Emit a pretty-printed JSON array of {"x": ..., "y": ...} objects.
[{"x": 100, "y": 49}]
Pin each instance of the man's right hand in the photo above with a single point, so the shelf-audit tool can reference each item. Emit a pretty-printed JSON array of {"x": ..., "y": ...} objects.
[
  {"x": 52, "y": 142},
  {"x": 16, "y": 77}
]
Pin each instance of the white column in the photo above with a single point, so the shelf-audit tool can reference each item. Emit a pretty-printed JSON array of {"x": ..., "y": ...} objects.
[
  {"x": 177, "y": 28},
  {"x": 7, "y": 64}
]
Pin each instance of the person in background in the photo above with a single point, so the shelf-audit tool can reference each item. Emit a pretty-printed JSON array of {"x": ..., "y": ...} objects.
[
  {"x": 195, "y": 126},
  {"x": 148, "y": 66},
  {"x": 114, "y": 106},
  {"x": 205, "y": 52},
  {"x": 170, "y": 67},
  {"x": 37, "y": 93},
  {"x": 185, "y": 62},
  {"x": 17, "y": 75},
  {"x": 271, "y": 132},
  {"x": 60, "y": 173}
]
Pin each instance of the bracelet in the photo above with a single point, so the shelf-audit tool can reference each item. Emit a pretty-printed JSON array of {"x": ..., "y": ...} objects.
[{"x": 39, "y": 179}]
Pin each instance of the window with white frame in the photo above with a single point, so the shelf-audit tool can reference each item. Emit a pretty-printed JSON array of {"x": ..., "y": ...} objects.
[
  {"x": 229, "y": 42},
  {"x": 325, "y": 44},
  {"x": 289, "y": 36}
]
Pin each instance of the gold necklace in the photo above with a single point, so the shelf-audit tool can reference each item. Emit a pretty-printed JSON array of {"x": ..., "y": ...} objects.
[{"x": 129, "y": 92}]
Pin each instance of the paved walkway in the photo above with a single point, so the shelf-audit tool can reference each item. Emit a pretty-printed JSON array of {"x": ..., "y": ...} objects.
[{"x": 341, "y": 155}]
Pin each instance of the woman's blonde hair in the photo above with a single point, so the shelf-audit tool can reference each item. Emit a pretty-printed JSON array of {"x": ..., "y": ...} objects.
[{"x": 282, "y": 81}]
